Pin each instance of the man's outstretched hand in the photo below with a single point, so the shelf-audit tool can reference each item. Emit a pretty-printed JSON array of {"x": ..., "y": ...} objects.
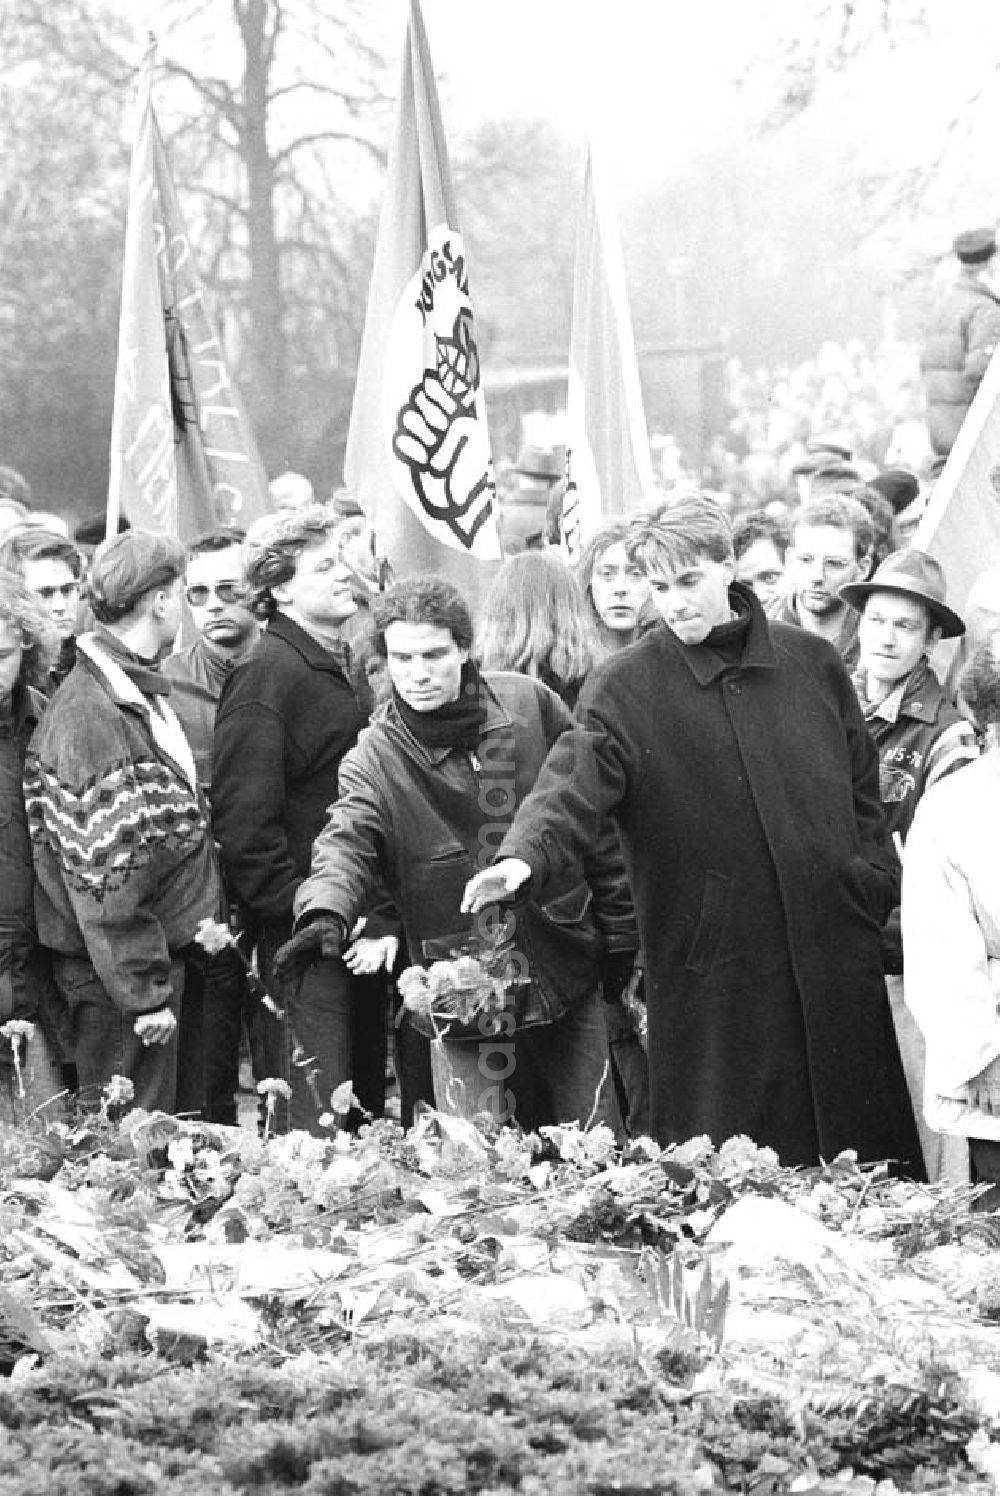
[
  {"x": 495, "y": 884},
  {"x": 321, "y": 939}
]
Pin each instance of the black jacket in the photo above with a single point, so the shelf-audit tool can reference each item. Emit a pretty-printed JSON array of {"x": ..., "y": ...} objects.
[
  {"x": 423, "y": 820},
  {"x": 286, "y": 718}
]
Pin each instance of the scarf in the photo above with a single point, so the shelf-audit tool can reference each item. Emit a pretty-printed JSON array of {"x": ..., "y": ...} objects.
[
  {"x": 144, "y": 674},
  {"x": 457, "y": 724},
  {"x": 164, "y": 728}
]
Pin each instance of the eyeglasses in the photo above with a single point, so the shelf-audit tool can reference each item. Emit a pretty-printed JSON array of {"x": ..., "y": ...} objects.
[
  {"x": 833, "y": 566},
  {"x": 226, "y": 592},
  {"x": 67, "y": 590}
]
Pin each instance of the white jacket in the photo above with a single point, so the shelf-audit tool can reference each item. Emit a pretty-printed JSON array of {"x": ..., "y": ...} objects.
[{"x": 951, "y": 940}]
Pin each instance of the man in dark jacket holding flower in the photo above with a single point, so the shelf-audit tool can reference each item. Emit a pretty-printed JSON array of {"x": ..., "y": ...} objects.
[
  {"x": 425, "y": 798},
  {"x": 734, "y": 760}
]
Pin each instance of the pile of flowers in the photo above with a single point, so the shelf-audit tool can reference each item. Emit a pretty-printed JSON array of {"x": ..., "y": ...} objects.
[{"x": 804, "y": 1321}]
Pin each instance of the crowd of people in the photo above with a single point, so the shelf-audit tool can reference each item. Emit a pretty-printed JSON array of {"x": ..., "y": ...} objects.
[{"x": 696, "y": 802}]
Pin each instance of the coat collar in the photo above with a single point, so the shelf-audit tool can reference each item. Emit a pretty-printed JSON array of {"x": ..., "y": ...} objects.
[
  {"x": 496, "y": 717},
  {"x": 316, "y": 655},
  {"x": 706, "y": 665},
  {"x": 918, "y": 695}
]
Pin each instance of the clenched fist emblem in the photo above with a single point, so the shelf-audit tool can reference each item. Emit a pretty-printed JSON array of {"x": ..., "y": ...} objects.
[{"x": 438, "y": 439}]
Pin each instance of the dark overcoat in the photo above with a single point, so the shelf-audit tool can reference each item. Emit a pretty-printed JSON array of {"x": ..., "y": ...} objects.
[{"x": 747, "y": 798}]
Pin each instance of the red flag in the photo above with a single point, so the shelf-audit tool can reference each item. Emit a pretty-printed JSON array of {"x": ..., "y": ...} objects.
[
  {"x": 607, "y": 455},
  {"x": 418, "y": 450},
  {"x": 183, "y": 457}
]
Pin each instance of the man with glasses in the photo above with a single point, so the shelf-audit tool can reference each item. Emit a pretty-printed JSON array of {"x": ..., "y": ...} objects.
[
  {"x": 831, "y": 547},
  {"x": 51, "y": 567},
  {"x": 219, "y": 600},
  {"x": 215, "y": 997}
]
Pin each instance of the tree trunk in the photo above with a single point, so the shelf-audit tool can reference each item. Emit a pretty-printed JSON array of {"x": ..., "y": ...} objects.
[{"x": 267, "y": 350}]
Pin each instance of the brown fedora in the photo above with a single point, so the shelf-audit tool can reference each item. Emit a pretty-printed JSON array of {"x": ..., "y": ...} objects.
[{"x": 914, "y": 574}]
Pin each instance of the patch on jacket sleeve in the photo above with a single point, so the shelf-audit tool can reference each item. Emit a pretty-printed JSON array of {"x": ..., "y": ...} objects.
[
  {"x": 108, "y": 828},
  {"x": 895, "y": 784}
]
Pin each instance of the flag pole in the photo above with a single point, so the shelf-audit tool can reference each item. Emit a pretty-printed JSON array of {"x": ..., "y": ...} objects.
[{"x": 143, "y": 96}]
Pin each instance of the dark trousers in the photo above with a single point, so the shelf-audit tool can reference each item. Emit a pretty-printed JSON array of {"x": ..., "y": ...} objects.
[
  {"x": 105, "y": 1041},
  {"x": 333, "y": 1029},
  {"x": 413, "y": 1068},
  {"x": 216, "y": 997}
]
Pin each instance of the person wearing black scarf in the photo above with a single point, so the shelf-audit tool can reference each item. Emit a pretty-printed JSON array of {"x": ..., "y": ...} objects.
[
  {"x": 457, "y": 723},
  {"x": 430, "y": 788}
]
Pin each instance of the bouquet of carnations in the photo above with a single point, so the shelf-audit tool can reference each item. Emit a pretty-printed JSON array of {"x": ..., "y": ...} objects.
[{"x": 457, "y": 998}]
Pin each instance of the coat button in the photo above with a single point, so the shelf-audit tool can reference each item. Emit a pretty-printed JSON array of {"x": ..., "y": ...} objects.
[{"x": 735, "y": 687}]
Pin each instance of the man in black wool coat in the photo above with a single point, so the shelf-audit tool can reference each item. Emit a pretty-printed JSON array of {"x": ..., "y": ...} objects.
[{"x": 734, "y": 759}]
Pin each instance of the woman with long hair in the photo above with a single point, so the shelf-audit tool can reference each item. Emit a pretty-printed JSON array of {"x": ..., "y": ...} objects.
[
  {"x": 535, "y": 621},
  {"x": 614, "y": 586}
]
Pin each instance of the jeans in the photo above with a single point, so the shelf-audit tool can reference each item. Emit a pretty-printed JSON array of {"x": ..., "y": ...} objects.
[
  {"x": 105, "y": 1042},
  {"x": 333, "y": 1029},
  {"x": 555, "y": 1072}
]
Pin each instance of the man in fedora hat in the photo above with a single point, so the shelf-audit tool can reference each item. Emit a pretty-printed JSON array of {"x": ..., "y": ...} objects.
[
  {"x": 918, "y": 732},
  {"x": 963, "y": 333},
  {"x": 920, "y": 738}
]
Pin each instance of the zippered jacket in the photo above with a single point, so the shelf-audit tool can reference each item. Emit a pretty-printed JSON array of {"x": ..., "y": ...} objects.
[
  {"x": 124, "y": 859},
  {"x": 422, "y": 820}
]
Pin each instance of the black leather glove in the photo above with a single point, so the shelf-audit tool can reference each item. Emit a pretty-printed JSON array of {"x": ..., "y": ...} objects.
[
  {"x": 892, "y": 945},
  {"x": 323, "y": 938},
  {"x": 616, "y": 972}
]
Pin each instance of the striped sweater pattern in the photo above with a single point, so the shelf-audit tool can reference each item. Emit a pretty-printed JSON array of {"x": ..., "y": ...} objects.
[{"x": 112, "y": 825}]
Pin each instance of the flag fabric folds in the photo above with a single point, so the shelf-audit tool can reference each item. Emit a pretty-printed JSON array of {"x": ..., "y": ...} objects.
[
  {"x": 961, "y": 526},
  {"x": 418, "y": 450},
  {"x": 608, "y": 463},
  {"x": 183, "y": 457}
]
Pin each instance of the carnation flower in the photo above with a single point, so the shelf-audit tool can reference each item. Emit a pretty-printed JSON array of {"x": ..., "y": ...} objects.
[
  {"x": 17, "y": 1030},
  {"x": 271, "y": 1088},
  {"x": 213, "y": 936},
  {"x": 119, "y": 1091}
]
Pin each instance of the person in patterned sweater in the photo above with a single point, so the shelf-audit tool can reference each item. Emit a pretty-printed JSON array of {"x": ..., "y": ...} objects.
[{"x": 124, "y": 859}]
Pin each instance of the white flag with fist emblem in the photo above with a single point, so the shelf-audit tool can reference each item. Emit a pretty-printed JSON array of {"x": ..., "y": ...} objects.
[{"x": 418, "y": 450}]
